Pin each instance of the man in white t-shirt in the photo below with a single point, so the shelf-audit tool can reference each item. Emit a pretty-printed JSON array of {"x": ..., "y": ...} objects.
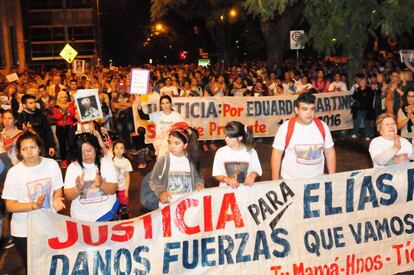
[{"x": 306, "y": 142}]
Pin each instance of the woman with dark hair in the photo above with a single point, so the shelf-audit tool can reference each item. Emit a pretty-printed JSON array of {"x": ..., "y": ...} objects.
[
  {"x": 405, "y": 116},
  {"x": 163, "y": 121},
  {"x": 91, "y": 182},
  {"x": 33, "y": 183},
  {"x": 237, "y": 162},
  {"x": 177, "y": 172}
]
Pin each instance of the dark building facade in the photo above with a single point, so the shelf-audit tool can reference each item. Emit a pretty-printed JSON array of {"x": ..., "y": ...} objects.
[
  {"x": 50, "y": 24},
  {"x": 12, "y": 50}
]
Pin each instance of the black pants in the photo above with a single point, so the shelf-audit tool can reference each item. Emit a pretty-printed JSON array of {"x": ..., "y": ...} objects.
[
  {"x": 65, "y": 136},
  {"x": 21, "y": 247}
]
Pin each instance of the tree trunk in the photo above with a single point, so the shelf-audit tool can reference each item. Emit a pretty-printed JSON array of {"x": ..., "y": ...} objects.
[
  {"x": 219, "y": 37},
  {"x": 355, "y": 54},
  {"x": 276, "y": 32}
]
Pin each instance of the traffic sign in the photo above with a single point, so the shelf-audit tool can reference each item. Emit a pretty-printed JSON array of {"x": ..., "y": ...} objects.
[
  {"x": 68, "y": 53},
  {"x": 295, "y": 40}
]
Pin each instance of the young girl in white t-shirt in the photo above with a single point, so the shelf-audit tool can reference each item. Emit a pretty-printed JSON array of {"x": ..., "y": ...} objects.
[
  {"x": 123, "y": 167},
  {"x": 237, "y": 162},
  {"x": 176, "y": 173}
]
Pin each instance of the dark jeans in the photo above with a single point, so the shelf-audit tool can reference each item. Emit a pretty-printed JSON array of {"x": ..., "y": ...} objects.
[
  {"x": 21, "y": 247},
  {"x": 361, "y": 121},
  {"x": 65, "y": 136}
]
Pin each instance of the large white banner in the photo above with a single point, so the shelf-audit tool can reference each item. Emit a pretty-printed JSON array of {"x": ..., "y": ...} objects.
[
  {"x": 357, "y": 222},
  {"x": 265, "y": 114}
]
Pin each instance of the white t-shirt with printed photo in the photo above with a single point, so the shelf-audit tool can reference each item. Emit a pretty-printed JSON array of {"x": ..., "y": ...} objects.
[
  {"x": 122, "y": 166},
  {"x": 304, "y": 157},
  {"x": 92, "y": 203},
  {"x": 179, "y": 178},
  {"x": 238, "y": 164},
  {"x": 25, "y": 184},
  {"x": 163, "y": 123}
]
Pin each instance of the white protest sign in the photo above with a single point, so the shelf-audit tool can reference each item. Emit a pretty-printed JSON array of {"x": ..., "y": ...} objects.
[
  {"x": 139, "y": 81},
  {"x": 407, "y": 56},
  {"x": 12, "y": 77},
  {"x": 295, "y": 40}
]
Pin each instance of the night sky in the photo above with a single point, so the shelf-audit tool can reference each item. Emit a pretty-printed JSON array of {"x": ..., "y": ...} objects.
[{"x": 126, "y": 25}]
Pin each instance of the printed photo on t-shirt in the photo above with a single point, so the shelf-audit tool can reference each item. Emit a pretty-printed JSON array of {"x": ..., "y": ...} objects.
[
  {"x": 179, "y": 182},
  {"x": 237, "y": 169},
  {"x": 91, "y": 193},
  {"x": 40, "y": 187},
  {"x": 309, "y": 154}
]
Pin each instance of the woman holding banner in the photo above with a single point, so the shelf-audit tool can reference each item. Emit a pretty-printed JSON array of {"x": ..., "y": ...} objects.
[
  {"x": 163, "y": 121},
  {"x": 389, "y": 148},
  {"x": 33, "y": 183}
]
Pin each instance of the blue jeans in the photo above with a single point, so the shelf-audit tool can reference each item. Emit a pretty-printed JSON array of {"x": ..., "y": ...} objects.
[{"x": 360, "y": 121}]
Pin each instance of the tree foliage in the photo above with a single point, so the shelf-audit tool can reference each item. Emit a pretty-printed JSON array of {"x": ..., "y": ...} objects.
[
  {"x": 336, "y": 26},
  {"x": 267, "y": 9}
]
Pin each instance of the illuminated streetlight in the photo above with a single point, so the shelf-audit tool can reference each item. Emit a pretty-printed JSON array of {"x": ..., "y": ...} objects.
[
  {"x": 233, "y": 13},
  {"x": 159, "y": 28},
  {"x": 222, "y": 17}
]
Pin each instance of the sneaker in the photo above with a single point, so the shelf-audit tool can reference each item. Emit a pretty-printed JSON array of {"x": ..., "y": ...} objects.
[
  {"x": 354, "y": 136},
  {"x": 9, "y": 244},
  {"x": 64, "y": 164}
]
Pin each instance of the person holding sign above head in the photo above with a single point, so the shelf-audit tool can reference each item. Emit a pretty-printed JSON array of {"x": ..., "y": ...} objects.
[
  {"x": 237, "y": 162},
  {"x": 33, "y": 183},
  {"x": 305, "y": 142},
  {"x": 389, "y": 148},
  {"x": 163, "y": 121},
  {"x": 91, "y": 182},
  {"x": 176, "y": 173}
]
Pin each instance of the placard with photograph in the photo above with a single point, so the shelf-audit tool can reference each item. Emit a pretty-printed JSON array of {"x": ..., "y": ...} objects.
[
  {"x": 139, "y": 81},
  {"x": 88, "y": 104},
  {"x": 78, "y": 66},
  {"x": 12, "y": 77},
  {"x": 39, "y": 188},
  {"x": 407, "y": 56}
]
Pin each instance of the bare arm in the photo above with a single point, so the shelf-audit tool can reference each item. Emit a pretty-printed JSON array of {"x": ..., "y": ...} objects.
[
  {"x": 409, "y": 66},
  {"x": 109, "y": 187},
  {"x": 401, "y": 121},
  {"x": 330, "y": 155},
  {"x": 13, "y": 206},
  {"x": 127, "y": 180},
  {"x": 275, "y": 163},
  {"x": 58, "y": 200}
]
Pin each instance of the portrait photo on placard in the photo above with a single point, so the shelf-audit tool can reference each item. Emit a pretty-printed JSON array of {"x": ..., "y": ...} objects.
[
  {"x": 78, "y": 66},
  {"x": 88, "y": 105}
]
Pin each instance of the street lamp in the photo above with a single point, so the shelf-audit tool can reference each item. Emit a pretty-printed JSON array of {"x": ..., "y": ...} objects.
[
  {"x": 159, "y": 28},
  {"x": 232, "y": 13}
]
